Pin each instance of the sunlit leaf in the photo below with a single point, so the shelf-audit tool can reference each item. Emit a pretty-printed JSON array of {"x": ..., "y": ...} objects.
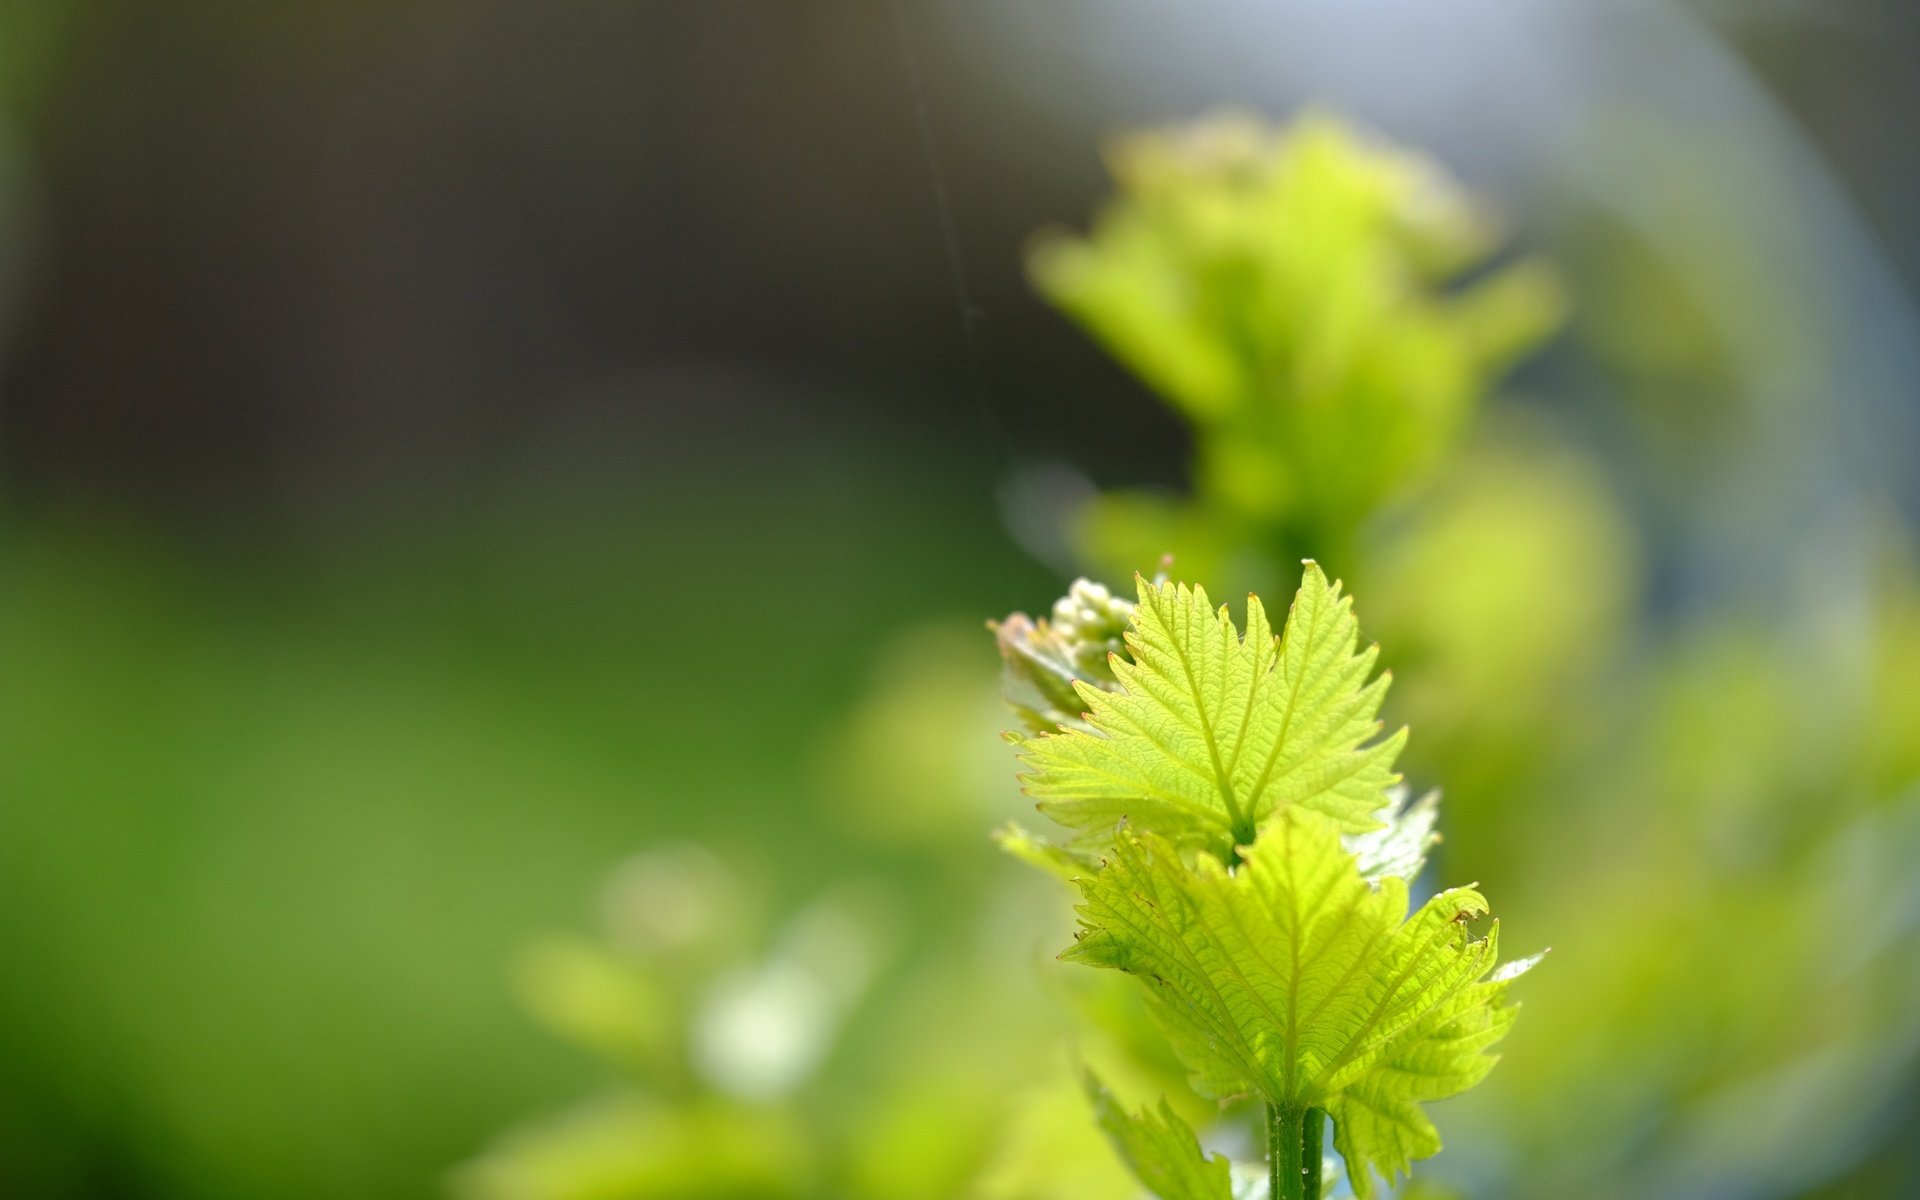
[
  {"x": 1208, "y": 734},
  {"x": 1063, "y": 861},
  {"x": 1293, "y": 978},
  {"x": 1400, "y": 845},
  {"x": 1160, "y": 1149}
]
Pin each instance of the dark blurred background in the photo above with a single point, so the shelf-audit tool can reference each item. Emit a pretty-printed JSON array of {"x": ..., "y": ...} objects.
[{"x": 446, "y": 446}]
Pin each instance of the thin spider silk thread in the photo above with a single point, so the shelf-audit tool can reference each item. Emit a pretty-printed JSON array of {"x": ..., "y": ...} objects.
[{"x": 969, "y": 313}]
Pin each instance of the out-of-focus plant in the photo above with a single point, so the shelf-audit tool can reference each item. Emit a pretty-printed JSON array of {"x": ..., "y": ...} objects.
[
  {"x": 1241, "y": 849},
  {"x": 711, "y": 1042},
  {"x": 800, "y": 1062},
  {"x": 1331, "y": 315},
  {"x": 1764, "y": 801},
  {"x": 1331, "y": 318},
  {"x": 1321, "y": 311},
  {"x": 1752, "y": 786}
]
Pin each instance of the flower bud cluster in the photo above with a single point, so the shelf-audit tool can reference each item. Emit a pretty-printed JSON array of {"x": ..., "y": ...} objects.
[{"x": 1043, "y": 659}]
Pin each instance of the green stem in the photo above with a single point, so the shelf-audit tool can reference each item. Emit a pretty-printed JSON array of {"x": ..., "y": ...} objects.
[
  {"x": 1283, "y": 1154},
  {"x": 1293, "y": 1152},
  {"x": 1310, "y": 1137}
]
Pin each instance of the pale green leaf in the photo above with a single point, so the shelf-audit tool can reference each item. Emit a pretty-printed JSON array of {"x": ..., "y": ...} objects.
[
  {"x": 1061, "y": 861},
  {"x": 1161, "y": 1150},
  {"x": 1208, "y": 734},
  {"x": 1400, "y": 846},
  {"x": 1294, "y": 978},
  {"x": 1378, "y": 1122}
]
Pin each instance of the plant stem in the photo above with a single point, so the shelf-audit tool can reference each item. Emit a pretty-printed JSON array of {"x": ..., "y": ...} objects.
[
  {"x": 1316, "y": 1126},
  {"x": 1293, "y": 1152},
  {"x": 1283, "y": 1154}
]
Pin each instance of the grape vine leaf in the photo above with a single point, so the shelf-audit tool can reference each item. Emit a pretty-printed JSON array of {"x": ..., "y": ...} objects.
[
  {"x": 1378, "y": 1122},
  {"x": 1067, "y": 863},
  {"x": 1294, "y": 978},
  {"x": 1160, "y": 1149},
  {"x": 1208, "y": 734},
  {"x": 1400, "y": 845}
]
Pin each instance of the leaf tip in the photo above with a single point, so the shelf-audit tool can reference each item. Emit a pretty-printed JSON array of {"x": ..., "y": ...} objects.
[{"x": 1518, "y": 967}]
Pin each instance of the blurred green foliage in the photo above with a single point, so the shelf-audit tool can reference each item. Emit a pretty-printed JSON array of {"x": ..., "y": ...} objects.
[
  {"x": 270, "y": 837},
  {"x": 1711, "y": 816},
  {"x": 273, "y": 826},
  {"x": 1745, "y": 792},
  {"x": 1321, "y": 311}
]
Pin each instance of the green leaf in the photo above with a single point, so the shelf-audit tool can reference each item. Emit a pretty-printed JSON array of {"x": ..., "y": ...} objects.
[
  {"x": 1294, "y": 978},
  {"x": 1160, "y": 1149},
  {"x": 1208, "y": 734},
  {"x": 1321, "y": 308},
  {"x": 1378, "y": 1122},
  {"x": 1400, "y": 846},
  {"x": 1063, "y": 862}
]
